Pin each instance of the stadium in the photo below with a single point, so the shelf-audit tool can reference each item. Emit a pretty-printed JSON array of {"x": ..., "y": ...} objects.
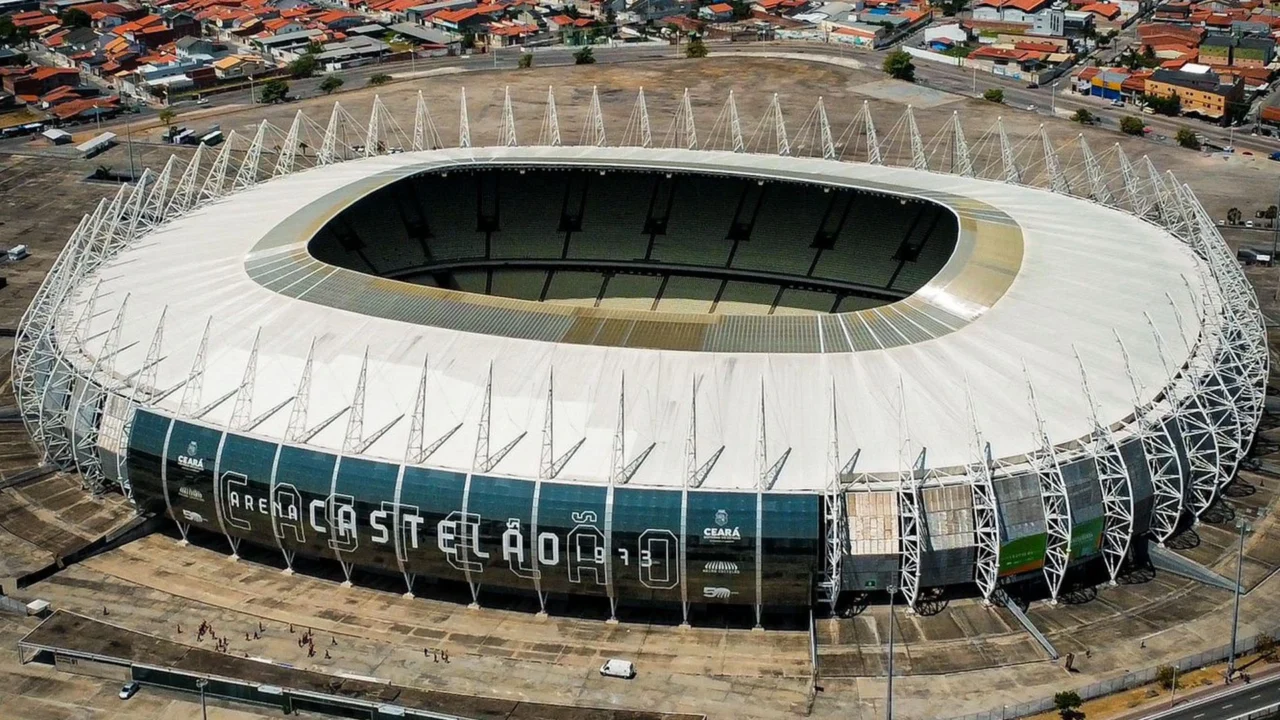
[{"x": 675, "y": 377}]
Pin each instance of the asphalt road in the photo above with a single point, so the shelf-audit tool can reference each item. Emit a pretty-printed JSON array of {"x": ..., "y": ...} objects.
[{"x": 1241, "y": 700}]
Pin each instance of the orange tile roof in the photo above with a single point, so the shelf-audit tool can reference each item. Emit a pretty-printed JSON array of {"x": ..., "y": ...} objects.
[
  {"x": 1105, "y": 10},
  {"x": 720, "y": 8}
]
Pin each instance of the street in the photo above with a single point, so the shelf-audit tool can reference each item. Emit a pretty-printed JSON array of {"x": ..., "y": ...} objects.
[{"x": 1241, "y": 700}]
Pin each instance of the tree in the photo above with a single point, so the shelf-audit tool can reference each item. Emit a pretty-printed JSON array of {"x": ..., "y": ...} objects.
[
  {"x": 1067, "y": 703},
  {"x": 1187, "y": 138},
  {"x": 1131, "y": 125},
  {"x": 898, "y": 66},
  {"x": 1148, "y": 53},
  {"x": 741, "y": 9},
  {"x": 76, "y": 18},
  {"x": 1234, "y": 216},
  {"x": 330, "y": 84},
  {"x": 379, "y": 79},
  {"x": 166, "y": 116},
  {"x": 696, "y": 48},
  {"x": 7, "y": 30},
  {"x": 584, "y": 56},
  {"x": 526, "y": 61},
  {"x": 305, "y": 66},
  {"x": 995, "y": 95},
  {"x": 273, "y": 91},
  {"x": 1166, "y": 675},
  {"x": 1270, "y": 212},
  {"x": 1169, "y": 105},
  {"x": 468, "y": 40},
  {"x": 1082, "y": 116},
  {"x": 1266, "y": 644}
]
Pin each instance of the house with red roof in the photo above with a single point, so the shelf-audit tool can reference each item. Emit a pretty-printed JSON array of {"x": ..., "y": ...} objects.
[{"x": 717, "y": 12}]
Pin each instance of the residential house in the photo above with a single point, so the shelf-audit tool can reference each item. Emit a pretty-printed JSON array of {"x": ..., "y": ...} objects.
[
  {"x": 507, "y": 33},
  {"x": 428, "y": 40},
  {"x": 1044, "y": 17},
  {"x": 952, "y": 34},
  {"x": 1200, "y": 90},
  {"x": 191, "y": 46},
  {"x": 420, "y": 13},
  {"x": 352, "y": 52},
  {"x": 856, "y": 34},
  {"x": 467, "y": 19},
  {"x": 238, "y": 66},
  {"x": 34, "y": 20},
  {"x": 37, "y": 81},
  {"x": 718, "y": 12},
  {"x": 286, "y": 45}
]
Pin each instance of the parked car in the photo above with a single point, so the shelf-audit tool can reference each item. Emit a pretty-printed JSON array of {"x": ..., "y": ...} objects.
[
  {"x": 202, "y": 101},
  {"x": 614, "y": 667},
  {"x": 129, "y": 690},
  {"x": 1117, "y": 103}
]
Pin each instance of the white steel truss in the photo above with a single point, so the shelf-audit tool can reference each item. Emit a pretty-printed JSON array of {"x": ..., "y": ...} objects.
[
  {"x": 507, "y": 131},
  {"x": 824, "y": 132},
  {"x": 1053, "y": 498},
  {"x": 834, "y": 515},
  {"x": 873, "y": 141},
  {"x": 550, "y": 134},
  {"x": 1098, "y": 189},
  {"x": 1113, "y": 477},
  {"x": 1161, "y": 455},
  {"x": 963, "y": 164},
  {"x": 986, "y": 509},
  {"x": 594, "y": 130},
  {"x": 1007, "y": 159},
  {"x": 910, "y": 518},
  {"x": 919, "y": 160}
]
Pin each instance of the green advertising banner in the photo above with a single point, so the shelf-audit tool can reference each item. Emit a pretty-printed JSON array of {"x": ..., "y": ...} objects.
[
  {"x": 1023, "y": 555},
  {"x": 1086, "y": 538}
]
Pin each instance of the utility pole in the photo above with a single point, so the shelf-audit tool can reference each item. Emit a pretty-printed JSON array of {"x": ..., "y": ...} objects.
[
  {"x": 1174, "y": 691},
  {"x": 204, "y": 713},
  {"x": 1053, "y": 99},
  {"x": 128, "y": 132},
  {"x": 1244, "y": 527},
  {"x": 1275, "y": 228},
  {"x": 888, "y": 708}
]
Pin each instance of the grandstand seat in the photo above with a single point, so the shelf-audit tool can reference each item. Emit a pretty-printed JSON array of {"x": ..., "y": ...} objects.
[
  {"x": 529, "y": 212},
  {"x": 780, "y": 241},
  {"x": 701, "y": 214},
  {"x": 612, "y": 220}
]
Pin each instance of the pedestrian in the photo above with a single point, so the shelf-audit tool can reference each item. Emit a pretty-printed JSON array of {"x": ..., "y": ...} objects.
[
  {"x": 246, "y": 637},
  {"x": 179, "y": 628},
  {"x": 445, "y": 653},
  {"x": 1143, "y": 645},
  {"x": 290, "y": 627},
  {"x": 256, "y": 636},
  {"x": 261, "y": 627},
  {"x": 326, "y": 655},
  {"x": 424, "y": 652},
  {"x": 104, "y": 610},
  {"x": 335, "y": 641},
  {"x": 434, "y": 657}
]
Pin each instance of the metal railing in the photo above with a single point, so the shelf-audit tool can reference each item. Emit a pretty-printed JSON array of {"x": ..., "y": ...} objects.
[{"x": 1128, "y": 681}]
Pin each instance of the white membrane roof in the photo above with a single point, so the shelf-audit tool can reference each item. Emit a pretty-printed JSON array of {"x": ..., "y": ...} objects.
[{"x": 1087, "y": 274}]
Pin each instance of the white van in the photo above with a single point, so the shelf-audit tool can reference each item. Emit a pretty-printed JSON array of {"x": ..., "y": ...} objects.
[{"x": 614, "y": 667}]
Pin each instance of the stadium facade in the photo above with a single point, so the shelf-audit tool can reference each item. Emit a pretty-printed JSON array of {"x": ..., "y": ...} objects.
[{"x": 811, "y": 376}]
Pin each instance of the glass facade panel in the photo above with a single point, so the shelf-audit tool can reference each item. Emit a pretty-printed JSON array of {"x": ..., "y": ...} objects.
[
  {"x": 303, "y": 480},
  {"x": 503, "y": 552},
  {"x": 646, "y": 542},
  {"x": 146, "y": 447},
  {"x": 575, "y": 513},
  {"x": 431, "y": 513},
  {"x": 189, "y": 469},
  {"x": 362, "y": 513},
  {"x": 722, "y": 536},
  {"x": 792, "y": 536},
  {"x": 244, "y": 471}
]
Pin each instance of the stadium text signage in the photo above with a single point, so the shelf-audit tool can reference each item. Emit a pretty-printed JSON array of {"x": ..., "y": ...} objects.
[{"x": 458, "y": 535}]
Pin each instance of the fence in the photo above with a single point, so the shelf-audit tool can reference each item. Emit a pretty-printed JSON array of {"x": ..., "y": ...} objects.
[{"x": 1128, "y": 681}]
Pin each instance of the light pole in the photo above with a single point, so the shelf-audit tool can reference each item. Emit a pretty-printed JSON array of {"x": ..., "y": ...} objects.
[
  {"x": 1053, "y": 99},
  {"x": 975, "y": 79},
  {"x": 204, "y": 713},
  {"x": 888, "y": 708},
  {"x": 1244, "y": 527},
  {"x": 1173, "y": 692},
  {"x": 128, "y": 131},
  {"x": 252, "y": 99}
]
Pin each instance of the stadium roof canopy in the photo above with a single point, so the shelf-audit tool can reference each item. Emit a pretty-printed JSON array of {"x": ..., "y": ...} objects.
[{"x": 1036, "y": 278}]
